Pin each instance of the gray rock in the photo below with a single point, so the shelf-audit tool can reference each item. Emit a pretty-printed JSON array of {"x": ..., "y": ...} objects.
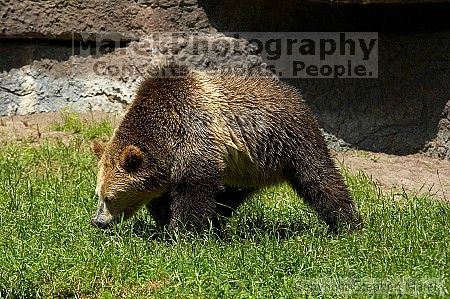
[{"x": 107, "y": 83}]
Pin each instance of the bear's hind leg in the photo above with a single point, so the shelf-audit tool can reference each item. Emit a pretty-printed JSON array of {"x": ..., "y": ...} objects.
[{"x": 319, "y": 182}]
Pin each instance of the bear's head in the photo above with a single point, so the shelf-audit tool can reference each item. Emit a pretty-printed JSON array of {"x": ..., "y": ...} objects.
[{"x": 128, "y": 177}]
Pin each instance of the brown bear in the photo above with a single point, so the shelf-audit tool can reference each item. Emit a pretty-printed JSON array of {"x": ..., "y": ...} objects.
[{"x": 193, "y": 145}]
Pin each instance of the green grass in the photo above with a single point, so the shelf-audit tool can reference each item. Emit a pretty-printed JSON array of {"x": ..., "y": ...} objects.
[
  {"x": 274, "y": 247},
  {"x": 72, "y": 123}
]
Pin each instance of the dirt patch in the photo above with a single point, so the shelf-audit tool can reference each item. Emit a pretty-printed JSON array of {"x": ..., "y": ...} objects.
[{"x": 416, "y": 174}]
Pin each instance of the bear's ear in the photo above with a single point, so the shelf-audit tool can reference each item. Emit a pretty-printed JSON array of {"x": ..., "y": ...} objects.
[
  {"x": 98, "y": 147},
  {"x": 131, "y": 158}
]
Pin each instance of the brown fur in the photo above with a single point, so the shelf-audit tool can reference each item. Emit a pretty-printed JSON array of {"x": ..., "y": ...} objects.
[{"x": 193, "y": 145}]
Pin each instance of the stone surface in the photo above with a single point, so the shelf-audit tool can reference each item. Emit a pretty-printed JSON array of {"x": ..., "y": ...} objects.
[
  {"x": 107, "y": 83},
  {"x": 58, "y": 19},
  {"x": 404, "y": 111},
  {"x": 440, "y": 145}
]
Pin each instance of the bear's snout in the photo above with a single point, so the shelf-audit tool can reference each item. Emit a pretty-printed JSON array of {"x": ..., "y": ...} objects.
[
  {"x": 102, "y": 218},
  {"x": 100, "y": 223}
]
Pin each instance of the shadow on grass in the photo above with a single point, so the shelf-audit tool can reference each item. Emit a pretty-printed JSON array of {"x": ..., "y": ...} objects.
[
  {"x": 144, "y": 229},
  {"x": 244, "y": 228},
  {"x": 255, "y": 228}
]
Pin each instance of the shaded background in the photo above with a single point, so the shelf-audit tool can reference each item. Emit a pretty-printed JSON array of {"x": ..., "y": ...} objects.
[{"x": 406, "y": 110}]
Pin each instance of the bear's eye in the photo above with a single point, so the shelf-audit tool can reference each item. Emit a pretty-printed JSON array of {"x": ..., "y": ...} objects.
[{"x": 107, "y": 199}]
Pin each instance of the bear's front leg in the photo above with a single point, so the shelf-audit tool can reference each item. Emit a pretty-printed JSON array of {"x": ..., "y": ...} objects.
[
  {"x": 159, "y": 208},
  {"x": 193, "y": 194}
]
